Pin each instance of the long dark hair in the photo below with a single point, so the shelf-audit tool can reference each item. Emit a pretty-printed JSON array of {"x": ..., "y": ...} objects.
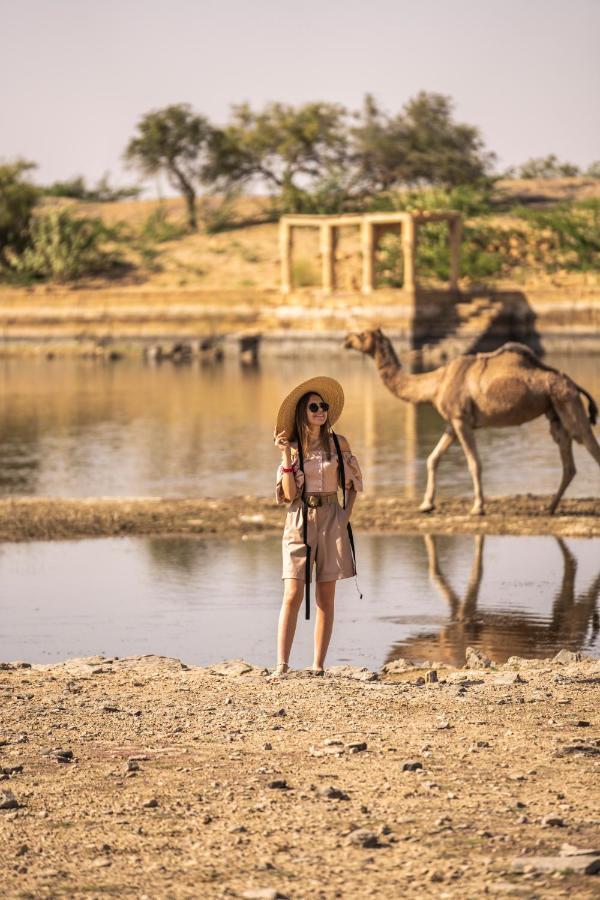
[{"x": 301, "y": 429}]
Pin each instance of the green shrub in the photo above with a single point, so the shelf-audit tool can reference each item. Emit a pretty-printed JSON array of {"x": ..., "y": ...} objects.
[
  {"x": 305, "y": 273},
  {"x": 64, "y": 248},
  {"x": 17, "y": 200},
  {"x": 158, "y": 228}
]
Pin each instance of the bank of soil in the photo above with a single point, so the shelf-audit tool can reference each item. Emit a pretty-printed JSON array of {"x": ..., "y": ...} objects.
[
  {"x": 24, "y": 518},
  {"x": 143, "y": 777}
]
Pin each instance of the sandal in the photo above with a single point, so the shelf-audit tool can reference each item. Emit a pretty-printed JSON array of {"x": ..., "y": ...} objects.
[{"x": 316, "y": 670}]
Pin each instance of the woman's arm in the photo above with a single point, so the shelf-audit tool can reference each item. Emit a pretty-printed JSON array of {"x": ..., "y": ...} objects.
[{"x": 288, "y": 479}]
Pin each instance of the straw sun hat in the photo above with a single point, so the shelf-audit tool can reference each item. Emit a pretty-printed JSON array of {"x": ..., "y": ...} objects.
[{"x": 327, "y": 388}]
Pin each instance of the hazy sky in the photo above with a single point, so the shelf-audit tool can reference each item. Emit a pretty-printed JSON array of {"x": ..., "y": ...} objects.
[{"x": 77, "y": 75}]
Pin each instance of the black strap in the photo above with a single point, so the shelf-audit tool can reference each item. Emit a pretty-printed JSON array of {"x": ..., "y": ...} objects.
[
  {"x": 305, "y": 536},
  {"x": 343, "y": 482}
]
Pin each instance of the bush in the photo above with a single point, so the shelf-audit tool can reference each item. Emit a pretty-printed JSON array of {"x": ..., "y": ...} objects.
[
  {"x": 17, "y": 200},
  {"x": 64, "y": 248},
  {"x": 305, "y": 274},
  {"x": 103, "y": 192},
  {"x": 158, "y": 228}
]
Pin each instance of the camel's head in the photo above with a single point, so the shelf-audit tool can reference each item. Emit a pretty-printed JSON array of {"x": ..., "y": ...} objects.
[{"x": 364, "y": 341}]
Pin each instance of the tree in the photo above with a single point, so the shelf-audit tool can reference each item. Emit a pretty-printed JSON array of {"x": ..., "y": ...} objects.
[
  {"x": 547, "y": 167},
  {"x": 175, "y": 141},
  {"x": 17, "y": 200},
  {"x": 422, "y": 144},
  {"x": 287, "y": 148}
]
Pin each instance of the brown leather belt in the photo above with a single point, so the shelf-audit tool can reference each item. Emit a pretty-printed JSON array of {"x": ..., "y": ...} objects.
[{"x": 314, "y": 500}]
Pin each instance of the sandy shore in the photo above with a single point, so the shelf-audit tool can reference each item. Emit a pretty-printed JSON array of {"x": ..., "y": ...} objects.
[
  {"x": 143, "y": 777},
  {"x": 25, "y": 518}
]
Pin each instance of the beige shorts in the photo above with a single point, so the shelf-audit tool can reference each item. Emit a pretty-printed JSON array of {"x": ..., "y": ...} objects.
[{"x": 327, "y": 537}]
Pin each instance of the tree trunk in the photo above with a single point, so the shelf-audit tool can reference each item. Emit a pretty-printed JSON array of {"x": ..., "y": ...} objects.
[{"x": 189, "y": 195}]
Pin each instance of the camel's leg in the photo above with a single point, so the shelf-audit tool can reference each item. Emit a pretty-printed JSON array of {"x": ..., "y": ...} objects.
[
  {"x": 565, "y": 445},
  {"x": 466, "y": 437},
  {"x": 446, "y": 440},
  {"x": 588, "y": 439}
]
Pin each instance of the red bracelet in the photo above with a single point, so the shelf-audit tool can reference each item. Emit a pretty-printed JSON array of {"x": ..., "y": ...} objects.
[{"x": 285, "y": 469}]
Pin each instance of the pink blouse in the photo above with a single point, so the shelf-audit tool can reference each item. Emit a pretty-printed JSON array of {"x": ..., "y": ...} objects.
[{"x": 321, "y": 473}]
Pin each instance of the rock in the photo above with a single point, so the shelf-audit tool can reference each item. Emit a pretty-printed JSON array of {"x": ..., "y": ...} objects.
[
  {"x": 509, "y": 678},
  {"x": 279, "y": 784},
  {"x": 474, "y": 659},
  {"x": 326, "y": 751},
  {"x": 363, "y": 838},
  {"x": 281, "y": 713},
  {"x": 263, "y": 894},
  {"x": 11, "y": 770},
  {"x": 151, "y": 804},
  {"x": 411, "y": 765},
  {"x": 358, "y": 674},
  {"x": 567, "y": 656},
  {"x": 13, "y": 666},
  {"x": 581, "y": 865},
  {"x": 333, "y": 793},
  {"x": 333, "y": 742},
  {"x": 8, "y": 800},
  {"x": 431, "y": 677},
  {"x": 553, "y": 821},
  {"x": 267, "y": 746},
  {"x": 357, "y": 747},
  {"x": 61, "y": 756},
  {"x": 234, "y": 668},
  {"x": 133, "y": 765},
  {"x": 396, "y": 666}
]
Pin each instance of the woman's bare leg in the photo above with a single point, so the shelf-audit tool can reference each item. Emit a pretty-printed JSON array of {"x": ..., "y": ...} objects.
[
  {"x": 292, "y": 599},
  {"x": 324, "y": 620}
]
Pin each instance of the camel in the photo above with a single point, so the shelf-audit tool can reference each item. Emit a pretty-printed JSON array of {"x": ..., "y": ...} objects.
[{"x": 508, "y": 386}]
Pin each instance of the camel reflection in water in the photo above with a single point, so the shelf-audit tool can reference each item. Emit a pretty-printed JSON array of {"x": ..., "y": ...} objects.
[{"x": 503, "y": 634}]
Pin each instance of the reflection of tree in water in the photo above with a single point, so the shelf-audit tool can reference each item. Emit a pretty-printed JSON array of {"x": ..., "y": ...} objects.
[
  {"x": 503, "y": 634},
  {"x": 179, "y": 554}
]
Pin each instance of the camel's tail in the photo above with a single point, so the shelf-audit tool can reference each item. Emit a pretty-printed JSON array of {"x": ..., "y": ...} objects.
[{"x": 592, "y": 408}]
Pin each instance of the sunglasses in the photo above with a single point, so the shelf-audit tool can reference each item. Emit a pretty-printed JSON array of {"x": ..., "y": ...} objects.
[{"x": 314, "y": 407}]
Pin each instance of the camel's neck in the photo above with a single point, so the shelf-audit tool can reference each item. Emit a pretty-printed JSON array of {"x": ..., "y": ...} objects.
[{"x": 412, "y": 388}]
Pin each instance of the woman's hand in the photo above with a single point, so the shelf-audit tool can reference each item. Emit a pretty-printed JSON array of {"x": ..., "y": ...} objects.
[{"x": 281, "y": 441}]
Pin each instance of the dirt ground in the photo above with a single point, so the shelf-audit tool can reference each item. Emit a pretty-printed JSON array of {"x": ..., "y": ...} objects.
[
  {"x": 24, "y": 518},
  {"x": 145, "y": 778}
]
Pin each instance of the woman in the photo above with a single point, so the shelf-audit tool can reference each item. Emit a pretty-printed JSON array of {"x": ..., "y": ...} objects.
[{"x": 316, "y": 531}]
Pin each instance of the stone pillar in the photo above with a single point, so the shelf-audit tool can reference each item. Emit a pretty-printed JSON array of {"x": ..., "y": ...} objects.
[
  {"x": 408, "y": 252},
  {"x": 367, "y": 236},
  {"x": 285, "y": 255},
  {"x": 328, "y": 256},
  {"x": 455, "y": 236}
]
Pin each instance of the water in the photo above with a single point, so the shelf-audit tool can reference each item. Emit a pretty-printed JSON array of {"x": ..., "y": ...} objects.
[
  {"x": 76, "y": 428},
  {"x": 206, "y": 600}
]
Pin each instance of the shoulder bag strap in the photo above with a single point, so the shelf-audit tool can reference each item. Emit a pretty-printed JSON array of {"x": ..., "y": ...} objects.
[{"x": 305, "y": 535}]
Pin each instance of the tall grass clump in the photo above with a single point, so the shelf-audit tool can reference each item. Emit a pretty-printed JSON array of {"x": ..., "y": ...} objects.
[{"x": 63, "y": 247}]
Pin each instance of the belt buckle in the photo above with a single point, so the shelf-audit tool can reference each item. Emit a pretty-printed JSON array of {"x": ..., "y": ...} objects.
[{"x": 313, "y": 501}]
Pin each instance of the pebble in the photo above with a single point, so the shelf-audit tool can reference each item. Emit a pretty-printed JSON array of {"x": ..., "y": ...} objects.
[
  {"x": 333, "y": 793},
  {"x": 583, "y": 865},
  {"x": 263, "y": 894},
  {"x": 411, "y": 765},
  {"x": 553, "y": 821},
  {"x": 151, "y": 804},
  {"x": 267, "y": 746},
  {"x": 8, "y": 800},
  {"x": 363, "y": 838},
  {"x": 474, "y": 659},
  {"x": 279, "y": 784},
  {"x": 567, "y": 656},
  {"x": 357, "y": 747},
  {"x": 431, "y": 677}
]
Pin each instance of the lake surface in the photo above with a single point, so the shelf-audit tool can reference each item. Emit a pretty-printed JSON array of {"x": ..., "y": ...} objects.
[
  {"x": 77, "y": 428},
  {"x": 207, "y": 600}
]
